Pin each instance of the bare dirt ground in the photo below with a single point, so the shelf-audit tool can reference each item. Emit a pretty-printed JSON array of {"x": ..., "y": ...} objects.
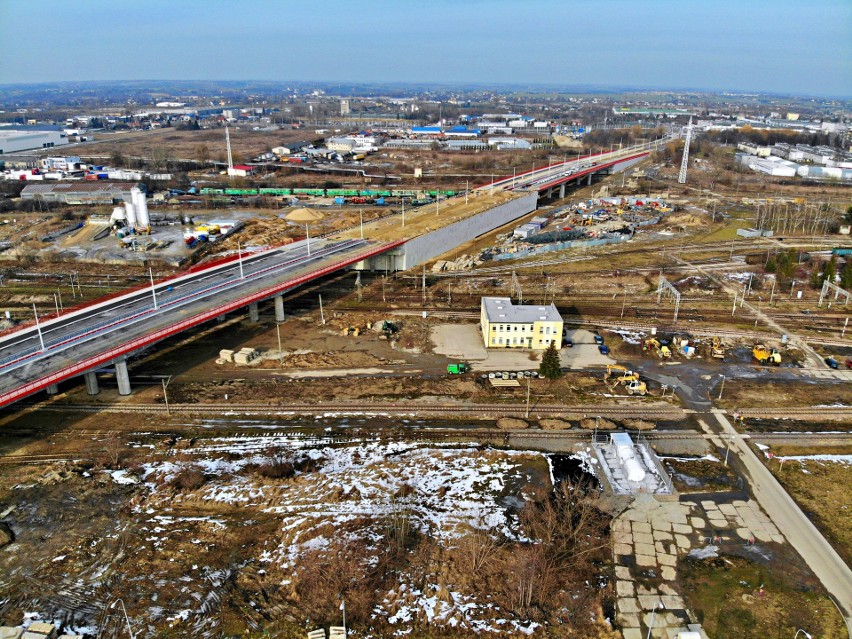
[{"x": 233, "y": 535}]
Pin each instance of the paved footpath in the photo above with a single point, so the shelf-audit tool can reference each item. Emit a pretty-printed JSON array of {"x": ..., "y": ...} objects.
[{"x": 822, "y": 559}]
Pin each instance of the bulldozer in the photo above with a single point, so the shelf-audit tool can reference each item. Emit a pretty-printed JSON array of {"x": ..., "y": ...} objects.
[
  {"x": 623, "y": 377},
  {"x": 765, "y": 355},
  {"x": 716, "y": 349},
  {"x": 662, "y": 351}
]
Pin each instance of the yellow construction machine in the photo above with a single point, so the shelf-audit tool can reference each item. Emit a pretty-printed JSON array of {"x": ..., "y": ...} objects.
[
  {"x": 716, "y": 349},
  {"x": 765, "y": 355},
  {"x": 661, "y": 350},
  {"x": 637, "y": 388},
  {"x": 623, "y": 377}
]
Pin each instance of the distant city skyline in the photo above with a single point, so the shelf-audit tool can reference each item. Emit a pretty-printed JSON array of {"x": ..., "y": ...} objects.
[{"x": 773, "y": 46}]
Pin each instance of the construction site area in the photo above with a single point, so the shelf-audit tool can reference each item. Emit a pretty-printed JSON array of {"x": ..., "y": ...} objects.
[{"x": 362, "y": 442}]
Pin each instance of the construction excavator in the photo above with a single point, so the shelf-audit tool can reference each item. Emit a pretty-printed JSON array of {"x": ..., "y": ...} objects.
[
  {"x": 623, "y": 376},
  {"x": 765, "y": 355},
  {"x": 716, "y": 349},
  {"x": 662, "y": 351}
]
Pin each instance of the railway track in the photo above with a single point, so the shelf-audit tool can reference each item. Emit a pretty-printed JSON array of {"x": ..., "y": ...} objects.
[
  {"x": 804, "y": 411},
  {"x": 372, "y": 409},
  {"x": 470, "y": 436}
]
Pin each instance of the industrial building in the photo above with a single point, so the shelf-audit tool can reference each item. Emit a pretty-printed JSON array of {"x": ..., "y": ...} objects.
[
  {"x": 14, "y": 141},
  {"x": 505, "y": 325},
  {"x": 99, "y": 192},
  {"x": 773, "y": 166}
]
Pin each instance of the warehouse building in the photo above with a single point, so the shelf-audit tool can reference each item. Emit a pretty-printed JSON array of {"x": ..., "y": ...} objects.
[
  {"x": 99, "y": 192},
  {"x": 14, "y": 141},
  {"x": 505, "y": 325}
]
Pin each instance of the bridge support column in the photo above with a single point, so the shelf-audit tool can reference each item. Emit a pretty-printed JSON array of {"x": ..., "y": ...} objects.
[
  {"x": 589, "y": 180},
  {"x": 122, "y": 377},
  {"x": 52, "y": 389},
  {"x": 562, "y": 190},
  {"x": 254, "y": 313},
  {"x": 91, "y": 380},
  {"x": 549, "y": 193},
  {"x": 279, "y": 308},
  {"x": 220, "y": 319}
]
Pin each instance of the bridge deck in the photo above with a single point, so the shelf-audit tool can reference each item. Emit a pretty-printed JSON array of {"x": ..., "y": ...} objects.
[{"x": 82, "y": 341}]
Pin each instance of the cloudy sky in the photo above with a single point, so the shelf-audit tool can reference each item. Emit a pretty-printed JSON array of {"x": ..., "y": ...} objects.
[{"x": 802, "y": 47}]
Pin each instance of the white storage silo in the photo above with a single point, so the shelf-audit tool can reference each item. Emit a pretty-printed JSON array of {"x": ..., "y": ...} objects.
[
  {"x": 141, "y": 205},
  {"x": 130, "y": 214}
]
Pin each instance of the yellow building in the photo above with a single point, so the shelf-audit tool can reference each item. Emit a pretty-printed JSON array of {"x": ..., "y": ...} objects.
[{"x": 505, "y": 325}]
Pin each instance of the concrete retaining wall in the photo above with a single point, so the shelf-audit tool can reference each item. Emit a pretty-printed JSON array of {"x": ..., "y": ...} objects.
[
  {"x": 429, "y": 246},
  {"x": 426, "y": 247}
]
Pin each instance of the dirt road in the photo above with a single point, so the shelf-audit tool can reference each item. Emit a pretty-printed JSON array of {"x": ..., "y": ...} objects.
[{"x": 826, "y": 564}]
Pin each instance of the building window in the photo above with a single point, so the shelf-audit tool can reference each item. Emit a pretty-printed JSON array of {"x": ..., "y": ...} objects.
[{"x": 493, "y": 328}]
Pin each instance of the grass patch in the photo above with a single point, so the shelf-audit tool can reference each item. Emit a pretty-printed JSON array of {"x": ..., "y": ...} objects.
[
  {"x": 734, "y": 598},
  {"x": 821, "y": 489}
]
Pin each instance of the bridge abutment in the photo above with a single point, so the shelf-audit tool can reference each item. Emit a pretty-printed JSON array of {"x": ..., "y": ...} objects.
[
  {"x": 91, "y": 383},
  {"x": 122, "y": 377}
]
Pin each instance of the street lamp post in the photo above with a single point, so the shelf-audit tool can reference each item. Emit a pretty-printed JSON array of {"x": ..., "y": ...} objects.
[
  {"x": 126, "y": 618},
  {"x": 38, "y": 327},
  {"x": 153, "y": 290},
  {"x": 166, "y": 382}
]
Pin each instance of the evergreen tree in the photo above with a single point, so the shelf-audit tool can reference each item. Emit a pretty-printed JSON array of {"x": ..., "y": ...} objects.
[
  {"x": 817, "y": 276},
  {"x": 830, "y": 271},
  {"x": 846, "y": 275},
  {"x": 550, "y": 366}
]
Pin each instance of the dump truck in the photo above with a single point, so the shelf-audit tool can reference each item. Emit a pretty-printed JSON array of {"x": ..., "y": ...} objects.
[
  {"x": 457, "y": 369},
  {"x": 765, "y": 355}
]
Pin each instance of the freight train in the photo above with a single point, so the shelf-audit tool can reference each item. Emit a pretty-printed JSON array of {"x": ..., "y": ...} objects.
[{"x": 397, "y": 193}]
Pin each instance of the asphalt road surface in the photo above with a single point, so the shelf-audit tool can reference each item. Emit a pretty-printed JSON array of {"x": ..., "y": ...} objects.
[{"x": 76, "y": 336}]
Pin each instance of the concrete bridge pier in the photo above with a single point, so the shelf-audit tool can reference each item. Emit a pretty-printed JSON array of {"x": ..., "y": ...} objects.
[
  {"x": 52, "y": 389},
  {"x": 254, "y": 313},
  {"x": 122, "y": 377},
  {"x": 562, "y": 190},
  {"x": 91, "y": 380},
  {"x": 589, "y": 181},
  {"x": 279, "y": 308}
]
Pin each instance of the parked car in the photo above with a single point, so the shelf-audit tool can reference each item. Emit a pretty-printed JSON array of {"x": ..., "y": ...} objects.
[
  {"x": 569, "y": 342},
  {"x": 831, "y": 362},
  {"x": 604, "y": 349},
  {"x": 849, "y": 364},
  {"x": 599, "y": 339}
]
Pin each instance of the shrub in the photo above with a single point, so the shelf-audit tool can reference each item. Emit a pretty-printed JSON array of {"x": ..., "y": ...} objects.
[{"x": 189, "y": 478}]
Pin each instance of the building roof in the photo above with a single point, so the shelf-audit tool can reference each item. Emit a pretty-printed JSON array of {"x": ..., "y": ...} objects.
[
  {"x": 80, "y": 187},
  {"x": 501, "y": 309}
]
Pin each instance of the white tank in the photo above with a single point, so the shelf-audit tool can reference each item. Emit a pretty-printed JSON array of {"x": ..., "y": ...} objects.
[
  {"x": 141, "y": 205},
  {"x": 130, "y": 214},
  {"x": 118, "y": 214}
]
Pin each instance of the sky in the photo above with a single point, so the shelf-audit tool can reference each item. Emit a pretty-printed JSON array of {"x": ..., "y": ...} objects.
[{"x": 779, "y": 46}]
